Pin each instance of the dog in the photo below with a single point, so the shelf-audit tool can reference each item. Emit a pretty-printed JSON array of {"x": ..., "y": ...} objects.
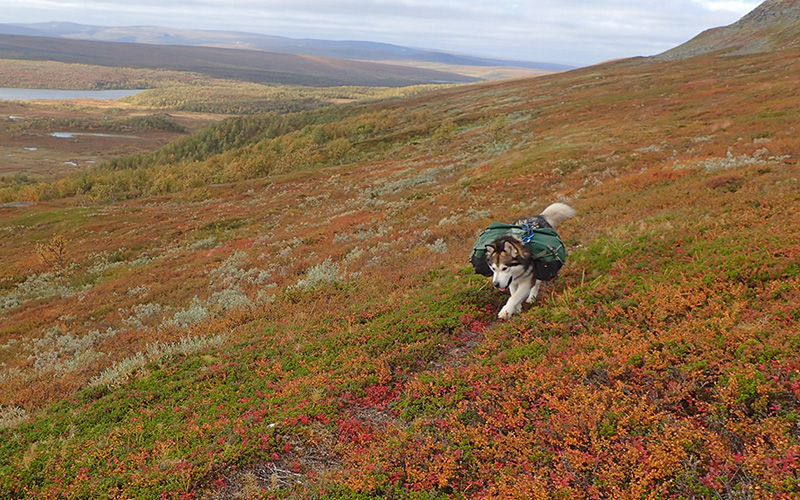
[{"x": 511, "y": 262}]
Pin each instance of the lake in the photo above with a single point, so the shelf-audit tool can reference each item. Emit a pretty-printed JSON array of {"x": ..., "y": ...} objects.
[{"x": 10, "y": 94}]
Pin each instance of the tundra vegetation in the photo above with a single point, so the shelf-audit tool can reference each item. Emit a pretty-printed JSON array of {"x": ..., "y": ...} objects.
[{"x": 279, "y": 305}]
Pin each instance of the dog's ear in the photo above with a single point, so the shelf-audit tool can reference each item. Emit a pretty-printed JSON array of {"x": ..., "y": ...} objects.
[
  {"x": 490, "y": 250},
  {"x": 511, "y": 249}
]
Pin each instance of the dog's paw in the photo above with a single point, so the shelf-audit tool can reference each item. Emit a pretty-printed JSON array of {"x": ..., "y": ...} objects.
[
  {"x": 506, "y": 312},
  {"x": 534, "y": 293}
]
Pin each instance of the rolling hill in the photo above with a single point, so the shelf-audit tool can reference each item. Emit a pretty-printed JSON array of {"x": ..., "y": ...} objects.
[
  {"x": 340, "y": 49},
  {"x": 280, "y": 306},
  {"x": 247, "y": 65}
]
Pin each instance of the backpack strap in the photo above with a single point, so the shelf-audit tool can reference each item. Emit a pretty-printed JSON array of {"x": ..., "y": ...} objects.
[{"x": 548, "y": 244}]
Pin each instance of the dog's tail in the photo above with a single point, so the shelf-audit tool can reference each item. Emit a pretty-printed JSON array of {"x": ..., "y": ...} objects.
[{"x": 557, "y": 213}]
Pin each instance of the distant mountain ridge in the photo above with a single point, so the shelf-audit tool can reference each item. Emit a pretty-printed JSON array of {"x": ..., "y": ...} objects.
[
  {"x": 343, "y": 49},
  {"x": 236, "y": 64},
  {"x": 773, "y": 25}
]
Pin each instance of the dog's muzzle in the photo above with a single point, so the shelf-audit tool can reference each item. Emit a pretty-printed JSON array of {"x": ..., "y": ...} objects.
[{"x": 500, "y": 287}]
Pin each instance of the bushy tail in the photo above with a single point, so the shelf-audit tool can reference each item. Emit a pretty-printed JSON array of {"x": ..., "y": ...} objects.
[{"x": 558, "y": 213}]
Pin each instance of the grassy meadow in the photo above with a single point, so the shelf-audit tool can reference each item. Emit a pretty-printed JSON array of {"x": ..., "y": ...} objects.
[{"x": 280, "y": 305}]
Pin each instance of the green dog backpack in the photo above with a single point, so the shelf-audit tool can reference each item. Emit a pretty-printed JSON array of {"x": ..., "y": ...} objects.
[{"x": 548, "y": 251}]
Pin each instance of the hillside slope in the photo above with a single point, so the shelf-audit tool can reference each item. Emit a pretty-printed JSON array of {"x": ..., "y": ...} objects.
[
  {"x": 246, "y": 65},
  {"x": 281, "y": 306},
  {"x": 773, "y": 25}
]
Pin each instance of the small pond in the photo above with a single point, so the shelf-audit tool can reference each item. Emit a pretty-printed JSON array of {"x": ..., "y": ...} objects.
[{"x": 70, "y": 135}]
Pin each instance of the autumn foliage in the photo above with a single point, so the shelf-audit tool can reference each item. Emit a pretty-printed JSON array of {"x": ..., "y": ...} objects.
[{"x": 289, "y": 312}]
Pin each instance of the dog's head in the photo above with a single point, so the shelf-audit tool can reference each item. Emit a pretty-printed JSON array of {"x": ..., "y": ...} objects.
[{"x": 508, "y": 259}]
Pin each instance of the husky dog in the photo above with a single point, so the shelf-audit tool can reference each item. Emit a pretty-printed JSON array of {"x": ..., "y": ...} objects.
[{"x": 512, "y": 264}]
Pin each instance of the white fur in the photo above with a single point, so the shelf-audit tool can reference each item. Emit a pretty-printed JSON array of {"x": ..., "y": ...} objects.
[
  {"x": 520, "y": 291},
  {"x": 557, "y": 213},
  {"x": 522, "y": 286}
]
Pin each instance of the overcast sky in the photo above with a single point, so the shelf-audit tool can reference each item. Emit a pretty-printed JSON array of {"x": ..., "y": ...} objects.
[{"x": 578, "y": 32}]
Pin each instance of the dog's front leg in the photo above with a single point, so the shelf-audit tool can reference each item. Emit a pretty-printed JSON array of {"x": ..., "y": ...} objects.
[
  {"x": 514, "y": 304},
  {"x": 534, "y": 292}
]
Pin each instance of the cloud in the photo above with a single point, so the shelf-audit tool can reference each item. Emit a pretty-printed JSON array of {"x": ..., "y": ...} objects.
[
  {"x": 577, "y": 32},
  {"x": 729, "y": 6}
]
